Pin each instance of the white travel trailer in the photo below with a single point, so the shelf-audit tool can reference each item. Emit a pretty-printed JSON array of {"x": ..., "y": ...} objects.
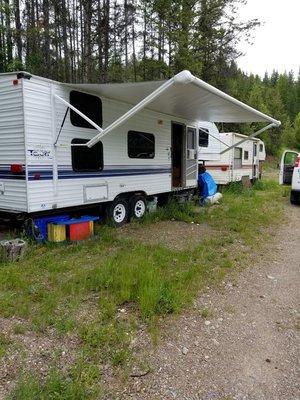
[
  {"x": 242, "y": 161},
  {"x": 64, "y": 146}
]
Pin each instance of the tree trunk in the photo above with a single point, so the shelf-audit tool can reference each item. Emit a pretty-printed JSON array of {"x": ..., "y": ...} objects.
[
  {"x": 134, "y": 52},
  {"x": 2, "y": 41},
  {"x": 8, "y": 31},
  {"x": 106, "y": 26},
  {"x": 18, "y": 33},
  {"x": 65, "y": 23},
  {"x": 126, "y": 36},
  {"x": 46, "y": 47}
]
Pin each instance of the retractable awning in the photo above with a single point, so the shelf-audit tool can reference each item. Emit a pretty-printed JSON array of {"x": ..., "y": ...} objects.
[{"x": 183, "y": 96}]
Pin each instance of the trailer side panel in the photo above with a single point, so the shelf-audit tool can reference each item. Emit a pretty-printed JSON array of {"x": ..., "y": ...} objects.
[
  {"x": 12, "y": 146},
  {"x": 120, "y": 173}
]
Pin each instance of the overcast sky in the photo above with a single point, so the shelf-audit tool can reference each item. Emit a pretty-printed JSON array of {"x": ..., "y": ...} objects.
[{"x": 276, "y": 43}]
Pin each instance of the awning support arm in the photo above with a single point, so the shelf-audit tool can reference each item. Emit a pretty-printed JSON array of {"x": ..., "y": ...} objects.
[
  {"x": 66, "y": 103},
  {"x": 142, "y": 104},
  {"x": 61, "y": 126},
  {"x": 215, "y": 137},
  {"x": 272, "y": 125}
]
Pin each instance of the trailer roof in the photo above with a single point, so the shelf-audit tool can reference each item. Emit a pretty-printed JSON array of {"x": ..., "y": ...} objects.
[
  {"x": 241, "y": 135},
  {"x": 188, "y": 98}
]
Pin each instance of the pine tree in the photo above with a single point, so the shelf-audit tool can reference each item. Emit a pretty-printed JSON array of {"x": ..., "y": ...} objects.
[
  {"x": 297, "y": 131},
  {"x": 135, "y": 40}
]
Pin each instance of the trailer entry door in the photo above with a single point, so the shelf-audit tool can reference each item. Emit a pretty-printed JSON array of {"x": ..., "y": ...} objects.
[
  {"x": 191, "y": 163},
  {"x": 177, "y": 143},
  {"x": 255, "y": 162}
]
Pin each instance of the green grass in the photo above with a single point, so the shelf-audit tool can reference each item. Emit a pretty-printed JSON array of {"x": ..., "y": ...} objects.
[
  {"x": 79, "y": 385},
  {"x": 19, "y": 329},
  {"x": 4, "y": 344},
  {"x": 206, "y": 313},
  {"x": 101, "y": 289}
]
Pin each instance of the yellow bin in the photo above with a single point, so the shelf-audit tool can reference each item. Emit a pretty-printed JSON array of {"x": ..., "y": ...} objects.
[
  {"x": 56, "y": 233},
  {"x": 92, "y": 227}
]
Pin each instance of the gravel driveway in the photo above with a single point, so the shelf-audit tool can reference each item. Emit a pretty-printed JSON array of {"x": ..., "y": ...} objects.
[{"x": 247, "y": 347}]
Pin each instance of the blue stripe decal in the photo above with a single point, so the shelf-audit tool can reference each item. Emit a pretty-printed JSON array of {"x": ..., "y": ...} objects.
[
  {"x": 12, "y": 176},
  {"x": 70, "y": 174},
  {"x": 101, "y": 174}
]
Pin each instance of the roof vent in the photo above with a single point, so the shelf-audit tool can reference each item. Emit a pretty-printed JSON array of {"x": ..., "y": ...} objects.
[{"x": 23, "y": 75}]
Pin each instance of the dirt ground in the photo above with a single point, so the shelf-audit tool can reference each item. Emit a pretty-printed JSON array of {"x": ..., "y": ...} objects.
[
  {"x": 247, "y": 347},
  {"x": 176, "y": 235}
]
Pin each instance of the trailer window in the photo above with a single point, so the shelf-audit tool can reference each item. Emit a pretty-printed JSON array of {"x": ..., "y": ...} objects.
[
  {"x": 261, "y": 147},
  {"x": 85, "y": 158},
  {"x": 89, "y": 105},
  {"x": 141, "y": 144},
  {"x": 203, "y": 137},
  {"x": 246, "y": 155}
]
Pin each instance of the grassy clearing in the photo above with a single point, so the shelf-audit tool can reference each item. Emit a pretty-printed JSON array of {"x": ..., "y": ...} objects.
[{"x": 101, "y": 290}]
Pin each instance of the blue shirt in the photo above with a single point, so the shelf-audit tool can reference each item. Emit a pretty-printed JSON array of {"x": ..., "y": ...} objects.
[{"x": 207, "y": 185}]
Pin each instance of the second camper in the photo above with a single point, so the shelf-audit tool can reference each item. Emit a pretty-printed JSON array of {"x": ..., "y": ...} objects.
[{"x": 243, "y": 162}]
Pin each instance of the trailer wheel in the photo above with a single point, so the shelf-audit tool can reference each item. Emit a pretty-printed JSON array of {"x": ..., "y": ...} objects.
[
  {"x": 138, "y": 207},
  {"x": 118, "y": 212}
]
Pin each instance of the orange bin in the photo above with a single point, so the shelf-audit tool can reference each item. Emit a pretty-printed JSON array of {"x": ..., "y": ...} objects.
[{"x": 81, "y": 230}]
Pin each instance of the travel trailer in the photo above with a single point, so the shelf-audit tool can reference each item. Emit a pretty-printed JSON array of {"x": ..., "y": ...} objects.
[
  {"x": 67, "y": 146},
  {"x": 243, "y": 161}
]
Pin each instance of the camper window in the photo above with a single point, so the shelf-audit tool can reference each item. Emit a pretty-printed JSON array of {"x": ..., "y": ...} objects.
[
  {"x": 246, "y": 155},
  {"x": 261, "y": 147},
  {"x": 141, "y": 145},
  {"x": 255, "y": 150},
  {"x": 203, "y": 137},
  {"x": 85, "y": 158},
  {"x": 89, "y": 105}
]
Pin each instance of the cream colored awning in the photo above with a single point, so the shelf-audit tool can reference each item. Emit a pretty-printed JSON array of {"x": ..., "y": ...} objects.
[
  {"x": 183, "y": 96},
  {"x": 189, "y": 98}
]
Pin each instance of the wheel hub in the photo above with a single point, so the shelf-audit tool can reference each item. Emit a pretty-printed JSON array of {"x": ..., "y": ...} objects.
[
  {"x": 139, "y": 209},
  {"x": 119, "y": 213}
]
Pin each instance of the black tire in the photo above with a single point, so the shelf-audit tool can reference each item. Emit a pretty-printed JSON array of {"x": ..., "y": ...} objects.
[
  {"x": 295, "y": 197},
  {"x": 137, "y": 207},
  {"x": 118, "y": 212},
  {"x": 163, "y": 199}
]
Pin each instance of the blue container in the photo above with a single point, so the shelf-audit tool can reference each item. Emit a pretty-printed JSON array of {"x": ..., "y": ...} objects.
[
  {"x": 71, "y": 221},
  {"x": 41, "y": 224}
]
